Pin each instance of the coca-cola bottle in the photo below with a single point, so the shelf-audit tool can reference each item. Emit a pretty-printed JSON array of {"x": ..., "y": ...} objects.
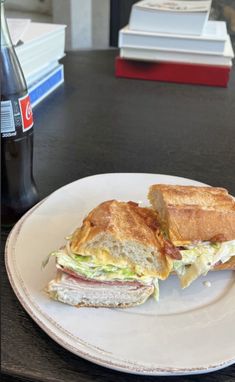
[{"x": 18, "y": 190}]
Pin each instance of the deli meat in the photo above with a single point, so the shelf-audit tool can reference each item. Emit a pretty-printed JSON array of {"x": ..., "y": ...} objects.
[{"x": 83, "y": 279}]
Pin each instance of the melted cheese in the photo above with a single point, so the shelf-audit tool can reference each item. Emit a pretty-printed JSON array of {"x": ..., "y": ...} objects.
[{"x": 103, "y": 257}]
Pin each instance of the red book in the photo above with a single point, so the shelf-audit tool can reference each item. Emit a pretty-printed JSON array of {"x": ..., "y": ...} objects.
[{"x": 173, "y": 72}]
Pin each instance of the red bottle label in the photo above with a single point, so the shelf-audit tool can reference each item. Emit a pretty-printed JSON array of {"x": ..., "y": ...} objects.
[{"x": 26, "y": 113}]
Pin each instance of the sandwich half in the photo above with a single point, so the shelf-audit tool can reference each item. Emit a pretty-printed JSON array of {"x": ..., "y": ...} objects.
[
  {"x": 200, "y": 222},
  {"x": 114, "y": 259}
]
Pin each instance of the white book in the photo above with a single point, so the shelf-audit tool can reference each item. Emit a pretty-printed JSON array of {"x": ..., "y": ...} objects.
[
  {"x": 17, "y": 28},
  {"x": 42, "y": 72},
  {"x": 211, "y": 41},
  {"x": 41, "y": 44},
  {"x": 154, "y": 55},
  {"x": 170, "y": 16}
]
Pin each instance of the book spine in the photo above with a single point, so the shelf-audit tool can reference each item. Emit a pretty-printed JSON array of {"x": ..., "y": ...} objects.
[
  {"x": 170, "y": 43},
  {"x": 41, "y": 73},
  {"x": 46, "y": 86},
  {"x": 173, "y": 72},
  {"x": 160, "y": 56}
]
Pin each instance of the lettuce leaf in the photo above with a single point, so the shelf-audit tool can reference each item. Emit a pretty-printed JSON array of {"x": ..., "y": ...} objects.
[
  {"x": 200, "y": 258},
  {"x": 85, "y": 266}
]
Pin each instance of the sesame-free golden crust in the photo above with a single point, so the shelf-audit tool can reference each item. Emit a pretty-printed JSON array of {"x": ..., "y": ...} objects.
[
  {"x": 127, "y": 224},
  {"x": 125, "y": 221},
  {"x": 193, "y": 224},
  {"x": 229, "y": 265},
  {"x": 204, "y": 197},
  {"x": 190, "y": 213}
]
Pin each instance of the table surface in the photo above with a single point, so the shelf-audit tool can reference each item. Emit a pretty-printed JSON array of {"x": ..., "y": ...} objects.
[{"x": 94, "y": 124}]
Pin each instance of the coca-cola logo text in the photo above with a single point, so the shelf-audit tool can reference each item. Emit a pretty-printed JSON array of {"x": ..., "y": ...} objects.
[{"x": 26, "y": 113}]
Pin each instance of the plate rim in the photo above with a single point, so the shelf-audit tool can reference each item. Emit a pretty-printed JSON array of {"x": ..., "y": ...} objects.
[{"x": 119, "y": 365}]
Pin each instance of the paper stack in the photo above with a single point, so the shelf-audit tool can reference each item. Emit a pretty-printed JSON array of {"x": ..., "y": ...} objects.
[
  {"x": 39, "y": 48},
  {"x": 173, "y": 40}
]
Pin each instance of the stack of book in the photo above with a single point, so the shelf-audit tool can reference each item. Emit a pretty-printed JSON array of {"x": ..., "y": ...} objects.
[
  {"x": 173, "y": 40},
  {"x": 39, "y": 47}
]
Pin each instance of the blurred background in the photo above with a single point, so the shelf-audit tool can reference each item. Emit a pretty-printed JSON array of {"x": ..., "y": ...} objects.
[{"x": 94, "y": 24}]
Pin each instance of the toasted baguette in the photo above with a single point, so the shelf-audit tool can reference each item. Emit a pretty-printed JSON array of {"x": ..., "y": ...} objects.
[
  {"x": 229, "y": 265},
  {"x": 189, "y": 213},
  {"x": 125, "y": 234}
]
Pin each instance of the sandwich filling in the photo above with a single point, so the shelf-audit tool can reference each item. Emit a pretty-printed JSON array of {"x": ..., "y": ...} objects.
[
  {"x": 91, "y": 268},
  {"x": 198, "y": 259}
]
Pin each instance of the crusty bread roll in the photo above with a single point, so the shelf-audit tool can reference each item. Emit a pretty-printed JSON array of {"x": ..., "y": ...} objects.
[
  {"x": 189, "y": 214},
  {"x": 125, "y": 234}
]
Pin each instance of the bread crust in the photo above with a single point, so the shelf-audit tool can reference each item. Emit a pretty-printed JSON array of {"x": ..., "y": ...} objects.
[
  {"x": 190, "y": 213},
  {"x": 125, "y": 221},
  {"x": 229, "y": 265},
  {"x": 117, "y": 306}
]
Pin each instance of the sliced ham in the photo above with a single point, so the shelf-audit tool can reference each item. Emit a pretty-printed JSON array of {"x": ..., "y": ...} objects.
[{"x": 81, "y": 278}]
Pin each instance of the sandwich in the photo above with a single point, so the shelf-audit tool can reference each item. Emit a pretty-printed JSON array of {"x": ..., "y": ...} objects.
[
  {"x": 200, "y": 223},
  {"x": 114, "y": 259},
  {"x": 121, "y": 250}
]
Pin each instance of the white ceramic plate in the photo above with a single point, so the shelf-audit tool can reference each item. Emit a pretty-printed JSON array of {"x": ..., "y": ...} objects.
[{"x": 188, "y": 332}]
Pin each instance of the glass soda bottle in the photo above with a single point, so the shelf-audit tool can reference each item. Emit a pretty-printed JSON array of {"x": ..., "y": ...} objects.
[{"x": 18, "y": 190}]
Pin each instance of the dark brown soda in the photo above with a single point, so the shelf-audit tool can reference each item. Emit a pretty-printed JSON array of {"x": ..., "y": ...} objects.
[{"x": 18, "y": 190}]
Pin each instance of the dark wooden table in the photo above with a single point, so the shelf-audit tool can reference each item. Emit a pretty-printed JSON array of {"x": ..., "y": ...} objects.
[{"x": 94, "y": 124}]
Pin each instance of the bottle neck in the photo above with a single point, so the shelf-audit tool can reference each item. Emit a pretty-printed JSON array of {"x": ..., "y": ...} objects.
[{"x": 5, "y": 35}]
